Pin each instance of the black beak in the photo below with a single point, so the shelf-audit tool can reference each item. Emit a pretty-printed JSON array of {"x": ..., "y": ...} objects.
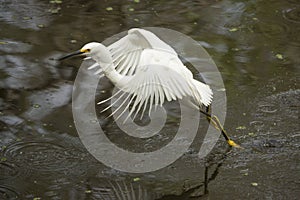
[{"x": 70, "y": 55}]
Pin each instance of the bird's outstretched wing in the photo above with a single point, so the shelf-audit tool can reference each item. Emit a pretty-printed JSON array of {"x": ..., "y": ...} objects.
[
  {"x": 126, "y": 52},
  {"x": 153, "y": 84}
]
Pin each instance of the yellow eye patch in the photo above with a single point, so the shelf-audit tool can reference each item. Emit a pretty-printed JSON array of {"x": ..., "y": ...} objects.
[{"x": 85, "y": 50}]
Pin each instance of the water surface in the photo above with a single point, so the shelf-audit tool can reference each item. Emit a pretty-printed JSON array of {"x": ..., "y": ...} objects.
[{"x": 256, "y": 46}]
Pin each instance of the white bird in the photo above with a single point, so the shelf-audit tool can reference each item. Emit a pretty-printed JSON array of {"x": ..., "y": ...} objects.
[
  {"x": 149, "y": 70},
  {"x": 144, "y": 66}
]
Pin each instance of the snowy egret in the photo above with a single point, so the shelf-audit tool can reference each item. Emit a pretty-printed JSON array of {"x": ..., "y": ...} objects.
[{"x": 150, "y": 70}]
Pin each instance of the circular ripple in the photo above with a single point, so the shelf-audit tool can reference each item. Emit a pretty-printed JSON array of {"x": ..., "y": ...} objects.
[
  {"x": 267, "y": 108},
  {"x": 42, "y": 156},
  {"x": 280, "y": 32},
  {"x": 8, "y": 170},
  {"x": 292, "y": 14},
  {"x": 273, "y": 29},
  {"x": 8, "y": 193}
]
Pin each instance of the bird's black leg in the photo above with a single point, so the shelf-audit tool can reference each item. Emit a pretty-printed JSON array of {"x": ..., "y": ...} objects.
[
  {"x": 215, "y": 121},
  {"x": 207, "y": 108}
]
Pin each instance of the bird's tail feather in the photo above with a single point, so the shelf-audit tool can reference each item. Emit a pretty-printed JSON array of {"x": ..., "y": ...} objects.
[{"x": 204, "y": 92}]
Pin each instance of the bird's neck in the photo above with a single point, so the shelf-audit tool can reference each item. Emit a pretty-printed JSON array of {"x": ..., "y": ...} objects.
[
  {"x": 105, "y": 60},
  {"x": 111, "y": 73}
]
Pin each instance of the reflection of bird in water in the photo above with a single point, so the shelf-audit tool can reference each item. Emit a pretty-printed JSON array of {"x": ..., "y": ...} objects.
[
  {"x": 121, "y": 190},
  {"x": 201, "y": 190},
  {"x": 149, "y": 70},
  {"x": 128, "y": 190}
]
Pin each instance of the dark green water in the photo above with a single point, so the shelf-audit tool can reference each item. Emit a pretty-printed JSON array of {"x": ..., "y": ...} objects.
[{"x": 255, "y": 44}]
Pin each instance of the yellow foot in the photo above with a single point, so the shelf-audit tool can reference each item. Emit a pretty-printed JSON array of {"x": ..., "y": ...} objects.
[{"x": 233, "y": 144}]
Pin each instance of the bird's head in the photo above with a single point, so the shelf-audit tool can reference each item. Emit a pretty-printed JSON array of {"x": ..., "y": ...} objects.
[
  {"x": 91, "y": 48},
  {"x": 95, "y": 50}
]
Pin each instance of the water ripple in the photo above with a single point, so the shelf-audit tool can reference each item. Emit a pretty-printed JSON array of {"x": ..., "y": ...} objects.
[
  {"x": 267, "y": 108},
  {"x": 292, "y": 14},
  {"x": 8, "y": 193},
  {"x": 8, "y": 170},
  {"x": 281, "y": 31},
  {"x": 273, "y": 29},
  {"x": 42, "y": 156}
]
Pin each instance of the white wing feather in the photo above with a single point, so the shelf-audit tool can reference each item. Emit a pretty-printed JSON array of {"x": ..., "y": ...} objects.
[
  {"x": 126, "y": 52},
  {"x": 153, "y": 72},
  {"x": 153, "y": 84},
  {"x": 161, "y": 76}
]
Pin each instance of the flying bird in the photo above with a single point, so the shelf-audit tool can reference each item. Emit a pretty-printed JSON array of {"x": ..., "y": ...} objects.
[{"x": 149, "y": 70}]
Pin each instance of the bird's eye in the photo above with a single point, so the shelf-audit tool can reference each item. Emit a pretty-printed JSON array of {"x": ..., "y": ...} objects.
[{"x": 88, "y": 50}]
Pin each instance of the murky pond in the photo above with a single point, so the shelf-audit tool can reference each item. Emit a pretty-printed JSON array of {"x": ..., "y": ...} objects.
[{"x": 256, "y": 46}]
